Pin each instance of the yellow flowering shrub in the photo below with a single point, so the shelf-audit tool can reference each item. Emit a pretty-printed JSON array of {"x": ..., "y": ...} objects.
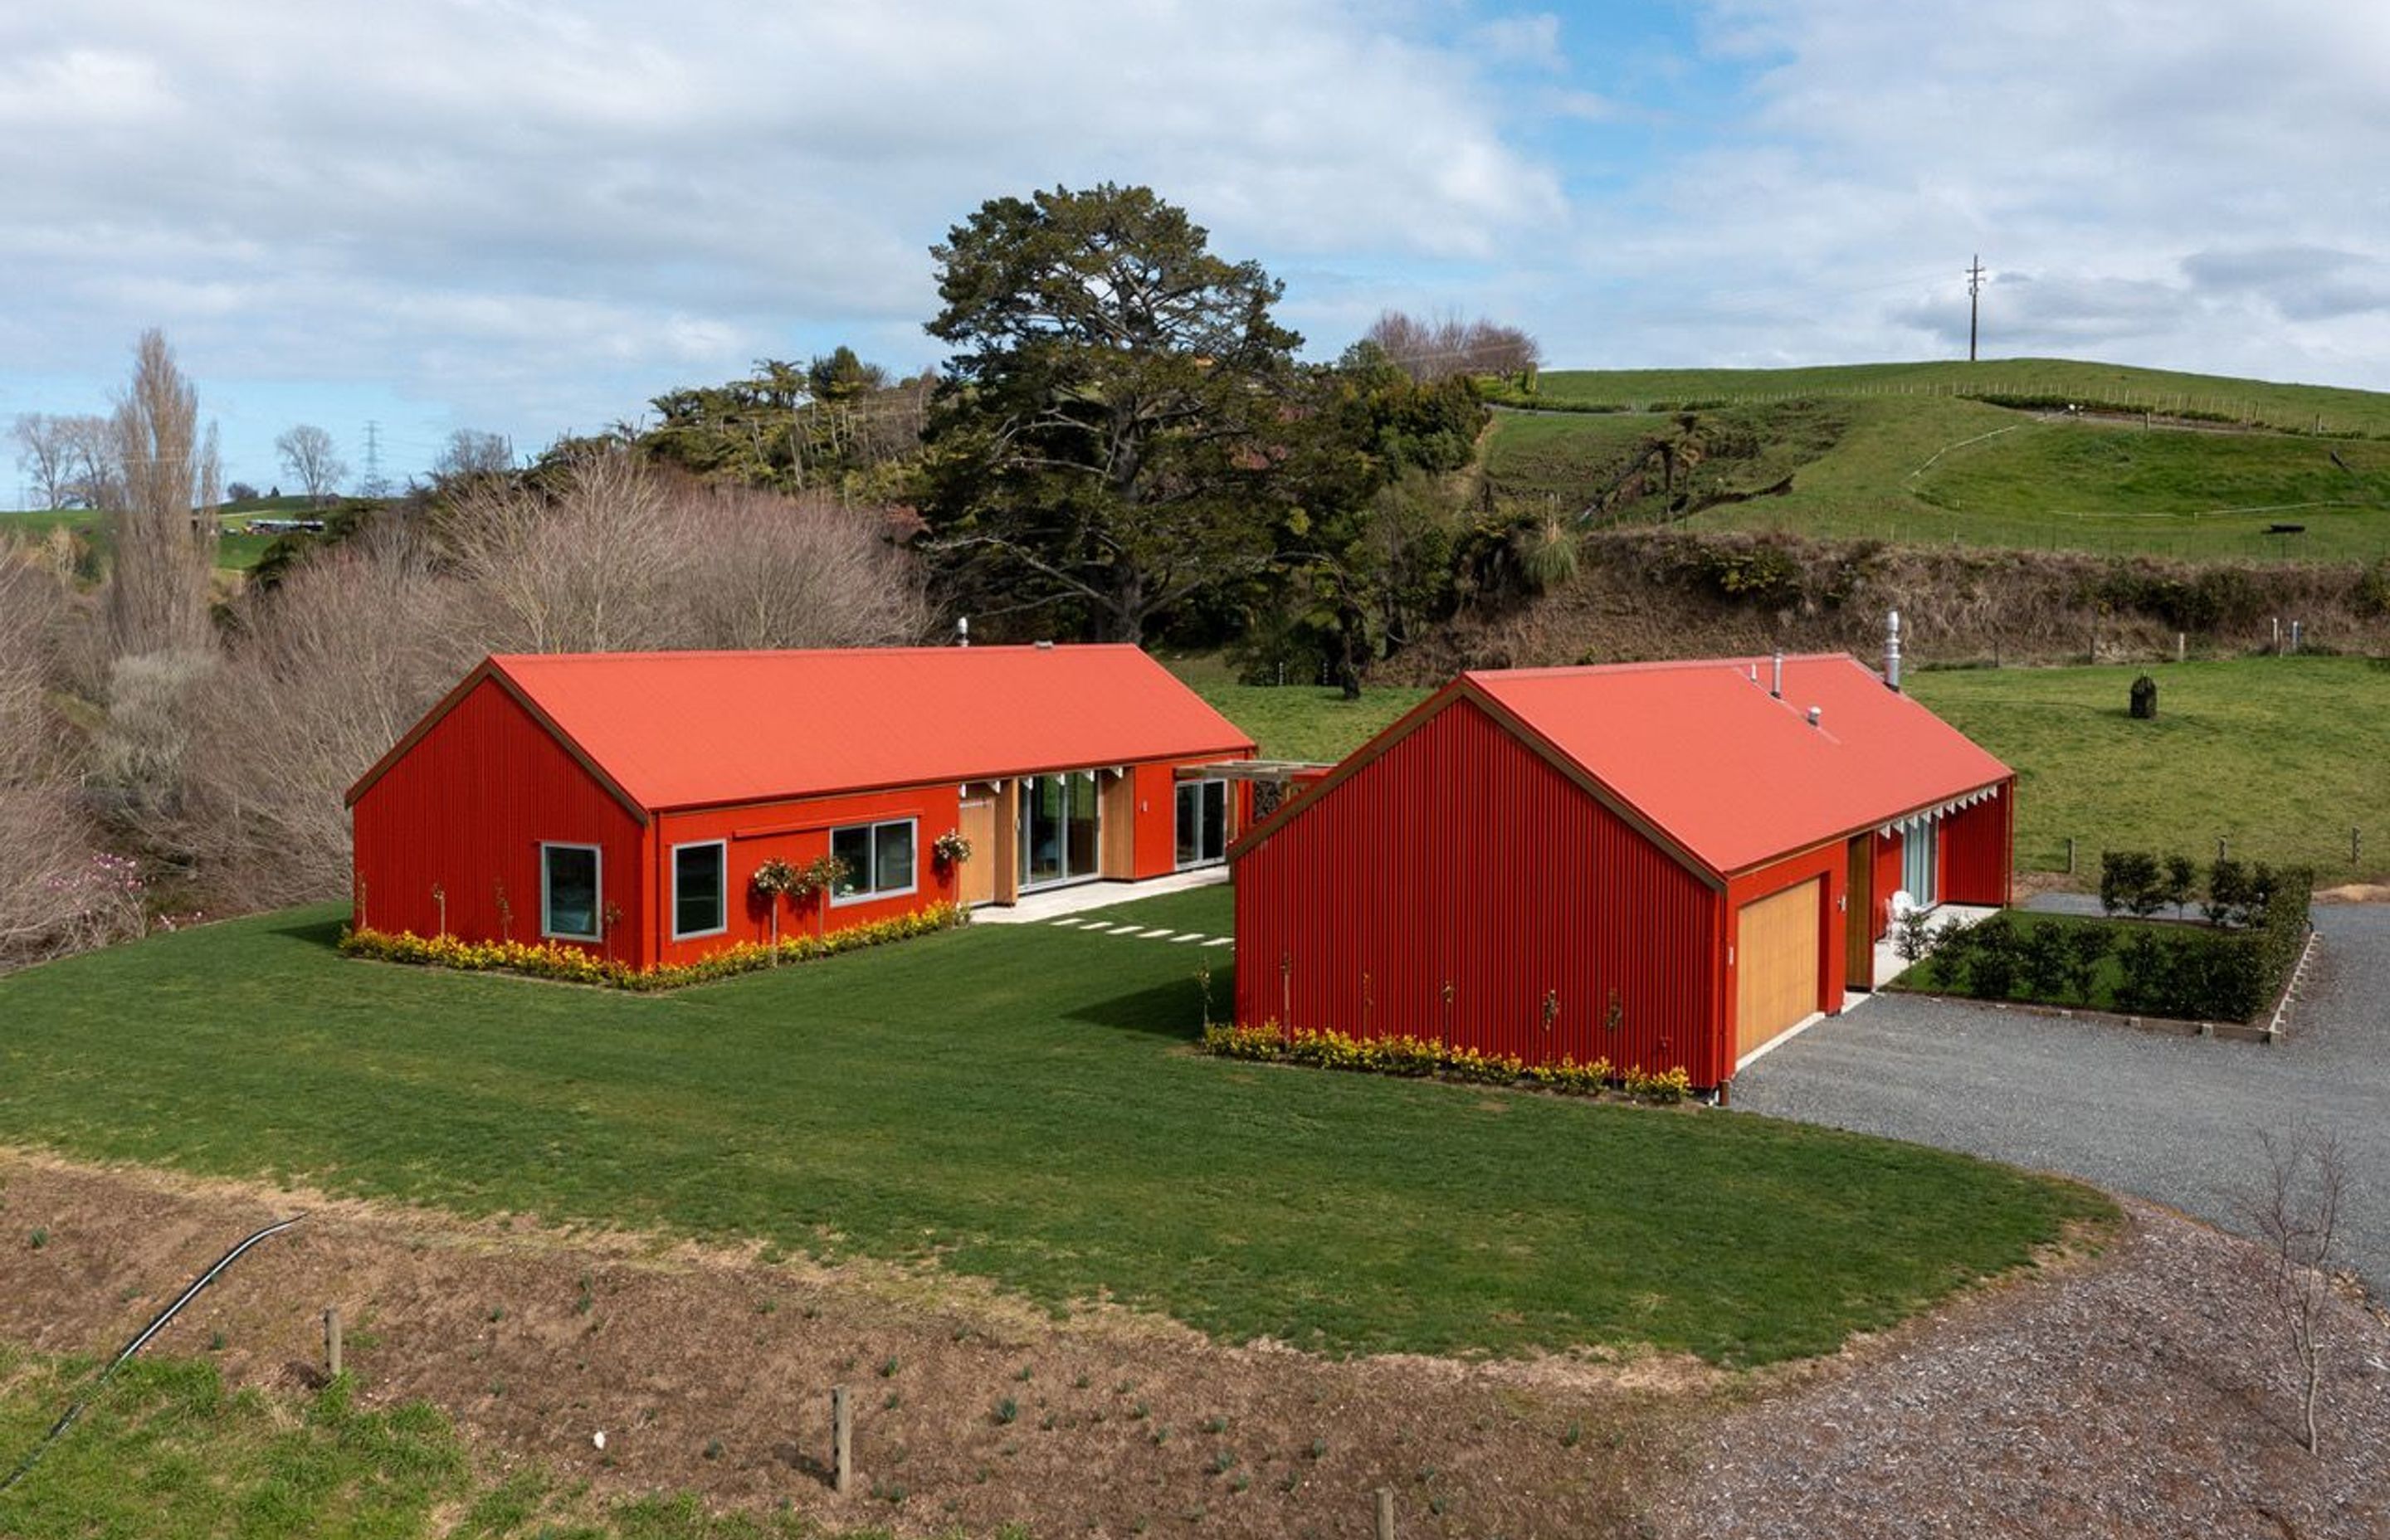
[
  {"x": 567, "y": 964},
  {"x": 1421, "y": 1055}
]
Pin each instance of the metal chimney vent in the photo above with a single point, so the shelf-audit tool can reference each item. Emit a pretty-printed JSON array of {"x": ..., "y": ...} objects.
[
  {"x": 1892, "y": 652},
  {"x": 1776, "y": 678},
  {"x": 1816, "y": 716}
]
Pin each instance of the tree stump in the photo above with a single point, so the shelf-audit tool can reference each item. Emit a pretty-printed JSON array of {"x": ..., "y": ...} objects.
[{"x": 2145, "y": 699}]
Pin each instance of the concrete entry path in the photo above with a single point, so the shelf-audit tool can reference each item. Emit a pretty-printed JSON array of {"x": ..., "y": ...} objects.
[
  {"x": 2173, "y": 1119},
  {"x": 1079, "y": 897}
]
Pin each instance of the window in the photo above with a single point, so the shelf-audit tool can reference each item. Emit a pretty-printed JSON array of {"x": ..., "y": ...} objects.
[
  {"x": 568, "y": 892},
  {"x": 1920, "y": 844},
  {"x": 877, "y": 859},
  {"x": 1202, "y": 823},
  {"x": 699, "y": 905}
]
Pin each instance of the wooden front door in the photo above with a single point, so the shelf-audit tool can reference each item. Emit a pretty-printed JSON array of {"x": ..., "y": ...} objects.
[
  {"x": 976, "y": 882},
  {"x": 1858, "y": 915},
  {"x": 1776, "y": 963}
]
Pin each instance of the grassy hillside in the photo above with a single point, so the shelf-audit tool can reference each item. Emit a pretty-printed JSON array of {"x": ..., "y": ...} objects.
[
  {"x": 2303, "y": 408},
  {"x": 1889, "y": 452},
  {"x": 237, "y": 550}
]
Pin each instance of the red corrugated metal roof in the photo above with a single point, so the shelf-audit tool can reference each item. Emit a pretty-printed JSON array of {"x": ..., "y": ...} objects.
[
  {"x": 1734, "y": 775},
  {"x": 682, "y": 729}
]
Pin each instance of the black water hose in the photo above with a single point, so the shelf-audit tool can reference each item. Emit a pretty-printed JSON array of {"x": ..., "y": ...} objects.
[{"x": 141, "y": 1341}]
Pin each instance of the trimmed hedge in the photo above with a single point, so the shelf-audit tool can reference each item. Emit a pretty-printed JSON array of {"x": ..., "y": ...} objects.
[
  {"x": 1421, "y": 1058},
  {"x": 567, "y": 964},
  {"x": 2215, "y": 972}
]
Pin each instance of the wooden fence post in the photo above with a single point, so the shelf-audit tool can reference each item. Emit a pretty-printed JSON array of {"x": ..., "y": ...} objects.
[
  {"x": 841, "y": 1441},
  {"x": 332, "y": 1341},
  {"x": 1385, "y": 1513},
  {"x": 2070, "y": 855}
]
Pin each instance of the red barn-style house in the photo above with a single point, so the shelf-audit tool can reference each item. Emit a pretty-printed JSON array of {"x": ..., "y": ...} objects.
[
  {"x": 1661, "y": 865},
  {"x": 622, "y": 802}
]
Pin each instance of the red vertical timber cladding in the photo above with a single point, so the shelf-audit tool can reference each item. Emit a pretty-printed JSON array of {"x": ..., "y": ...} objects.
[
  {"x": 1830, "y": 862},
  {"x": 465, "y": 810},
  {"x": 1975, "y": 847},
  {"x": 1887, "y": 880},
  {"x": 1460, "y": 856},
  {"x": 799, "y": 832}
]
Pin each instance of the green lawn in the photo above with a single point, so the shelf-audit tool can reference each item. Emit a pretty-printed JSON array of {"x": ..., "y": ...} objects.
[
  {"x": 166, "y": 1450},
  {"x": 1297, "y": 721},
  {"x": 2280, "y": 755},
  {"x": 1018, "y": 1103}
]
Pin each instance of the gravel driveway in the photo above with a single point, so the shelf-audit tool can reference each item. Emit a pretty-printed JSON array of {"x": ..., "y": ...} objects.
[{"x": 2173, "y": 1119}]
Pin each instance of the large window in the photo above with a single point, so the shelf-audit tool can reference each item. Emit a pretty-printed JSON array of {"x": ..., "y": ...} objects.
[
  {"x": 1920, "y": 844},
  {"x": 877, "y": 859},
  {"x": 1202, "y": 823},
  {"x": 568, "y": 891},
  {"x": 700, "y": 905}
]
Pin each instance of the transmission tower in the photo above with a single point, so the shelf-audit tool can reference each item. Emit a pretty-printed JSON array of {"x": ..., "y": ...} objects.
[
  {"x": 1974, "y": 287},
  {"x": 372, "y": 486}
]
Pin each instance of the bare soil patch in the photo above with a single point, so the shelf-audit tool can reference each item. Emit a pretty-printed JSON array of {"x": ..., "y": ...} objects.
[
  {"x": 2133, "y": 1392},
  {"x": 710, "y": 1371}
]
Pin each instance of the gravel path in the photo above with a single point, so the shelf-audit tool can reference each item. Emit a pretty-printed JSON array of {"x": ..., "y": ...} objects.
[
  {"x": 2173, "y": 1119},
  {"x": 2144, "y": 1395}
]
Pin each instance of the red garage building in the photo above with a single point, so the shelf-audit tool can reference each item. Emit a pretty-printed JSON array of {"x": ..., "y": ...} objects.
[
  {"x": 622, "y": 802},
  {"x": 1662, "y": 864}
]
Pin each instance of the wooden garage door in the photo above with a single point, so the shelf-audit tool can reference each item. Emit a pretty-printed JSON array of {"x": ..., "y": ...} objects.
[{"x": 1775, "y": 964}]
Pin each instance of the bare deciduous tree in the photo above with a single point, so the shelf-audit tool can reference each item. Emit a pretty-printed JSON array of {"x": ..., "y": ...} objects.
[
  {"x": 583, "y": 572},
  {"x": 2296, "y": 1216},
  {"x": 44, "y": 453},
  {"x": 473, "y": 452},
  {"x": 162, "y": 526},
  {"x": 53, "y": 894},
  {"x": 773, "y": 572},
  {"x": 308, "y": 453},
  {"x": 342, "y": 657},
  {"x": 1448, "y": 345}
]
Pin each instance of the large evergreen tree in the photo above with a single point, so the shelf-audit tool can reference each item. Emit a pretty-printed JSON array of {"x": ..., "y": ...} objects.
[{"x": 1107, "y": 439}]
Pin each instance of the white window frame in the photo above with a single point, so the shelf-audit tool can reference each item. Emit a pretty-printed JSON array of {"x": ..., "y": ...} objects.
[
  {"x": 873, "y": 895},
  {"x": 597, "y": 899},
  {"x": 722, "y": 845}
]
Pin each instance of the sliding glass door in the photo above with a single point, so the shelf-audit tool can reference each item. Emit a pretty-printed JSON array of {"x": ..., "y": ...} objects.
[
  {"x": 1202, "y": 823},
  {"x": 1059, "y": 820}
]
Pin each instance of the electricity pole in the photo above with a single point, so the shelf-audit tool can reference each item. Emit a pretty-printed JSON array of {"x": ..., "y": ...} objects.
[
  {"x": 372, "y": 486},
  {"x": 1974, "y": 287}
]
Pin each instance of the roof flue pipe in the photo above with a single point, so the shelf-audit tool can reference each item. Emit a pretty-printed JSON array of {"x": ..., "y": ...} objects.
[
  {"x": 1892, "y": 652},
  {"x": 1776, "y": 678},
  {"x": 1816, "y": 716}
]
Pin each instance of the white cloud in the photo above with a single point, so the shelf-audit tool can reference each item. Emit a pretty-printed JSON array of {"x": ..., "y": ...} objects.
[
  {"x": 2091, "y": 152},
  {"x": 418, "y": 192}
]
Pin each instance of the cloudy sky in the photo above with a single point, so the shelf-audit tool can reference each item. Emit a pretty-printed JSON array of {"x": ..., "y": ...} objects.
[{"x": 531, "y": 216}]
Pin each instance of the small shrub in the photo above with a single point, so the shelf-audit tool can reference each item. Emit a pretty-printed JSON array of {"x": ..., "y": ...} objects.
[
  {"x": 2229, "y": 893},
  {"x": 2046, "y": 959},
  {"x": 2131, "y": 881},
  {"x": 2182, "y": 882},
  {"x": 1007, "y": 1411},
  {"x": 2086, "y": 946},
  {"x": 1914, "y": 937},
  {"x": 1994, "y": 951}
]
